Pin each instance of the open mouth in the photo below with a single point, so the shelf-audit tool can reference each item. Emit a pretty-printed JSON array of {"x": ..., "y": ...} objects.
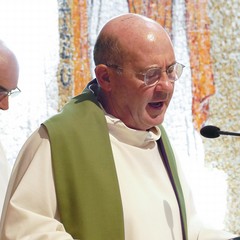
[{"x": 156, "y": 104}]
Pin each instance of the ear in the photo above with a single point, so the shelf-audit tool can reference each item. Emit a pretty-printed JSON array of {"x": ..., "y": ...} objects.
[{"x": 103, "y": 78}]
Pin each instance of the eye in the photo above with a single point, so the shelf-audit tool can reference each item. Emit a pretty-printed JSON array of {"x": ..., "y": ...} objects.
[
  {"x": 171, "y": 69},
  {"x": 153, "y": 73},
  {"x": 3, "y": 92}
]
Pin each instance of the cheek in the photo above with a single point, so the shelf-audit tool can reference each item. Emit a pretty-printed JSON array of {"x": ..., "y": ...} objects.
[
  {"x": 130, "y": 92},
  {"x": 120, "y": 89},
  {"x": 119, "y": 94}
]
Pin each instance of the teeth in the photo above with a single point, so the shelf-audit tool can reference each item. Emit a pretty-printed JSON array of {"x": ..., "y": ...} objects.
[{"x": 156, "y": 104}]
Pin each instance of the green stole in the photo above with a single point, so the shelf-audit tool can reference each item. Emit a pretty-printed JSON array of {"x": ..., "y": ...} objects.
[{"x": 87, "y": 188}]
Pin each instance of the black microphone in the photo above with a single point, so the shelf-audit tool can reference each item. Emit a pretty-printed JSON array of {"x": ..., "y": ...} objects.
[{"x": 214, "y": 132}]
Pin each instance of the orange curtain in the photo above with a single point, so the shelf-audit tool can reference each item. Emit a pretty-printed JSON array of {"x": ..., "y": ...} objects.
[
  {"x": 81, "y": 62},
  {"x": 64, "y": 75},
  {"x": 198, "y": 35},
  {"x": 74, "y": 67},
  {"x": 158, "y": 10}
]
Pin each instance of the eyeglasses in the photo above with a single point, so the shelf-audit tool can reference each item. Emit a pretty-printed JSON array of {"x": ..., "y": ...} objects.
[
  {"x": 4, "y": 93},
  {"x": 153, "y": 75}
]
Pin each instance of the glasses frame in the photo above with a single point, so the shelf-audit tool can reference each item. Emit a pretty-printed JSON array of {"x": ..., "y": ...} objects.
[
  {"x": 117, "y": 67},
  {"x": 5, "y": 93}
]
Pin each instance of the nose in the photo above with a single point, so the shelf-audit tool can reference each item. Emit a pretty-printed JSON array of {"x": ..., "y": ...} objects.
[
  {"x": 164, "y": 84},
  {"x": 4, "y": 103}
]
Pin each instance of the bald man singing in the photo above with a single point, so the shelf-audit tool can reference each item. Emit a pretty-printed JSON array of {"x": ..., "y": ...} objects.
[{"x": 103, "y": 168}]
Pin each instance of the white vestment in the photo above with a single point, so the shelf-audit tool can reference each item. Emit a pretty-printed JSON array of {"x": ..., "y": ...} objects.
[
  {"x": 4, "y": 176},
  {"x": 149, "y": 206}
]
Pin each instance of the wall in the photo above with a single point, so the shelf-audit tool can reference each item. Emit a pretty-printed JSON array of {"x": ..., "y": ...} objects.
[{"x": 224, "y": 153}]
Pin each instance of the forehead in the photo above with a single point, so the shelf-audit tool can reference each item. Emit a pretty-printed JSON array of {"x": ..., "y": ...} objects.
[
  {"x": 152, "y": 53},
  {"x": 8, "y": 73},
  {"x": 149, "y": 45},
  {"x": 8, "y": 81}
]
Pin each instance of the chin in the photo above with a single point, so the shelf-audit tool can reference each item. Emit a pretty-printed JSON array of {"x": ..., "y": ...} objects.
[
  {"x": 149, "y": 121},
  {"x": 157, "y": 121}
]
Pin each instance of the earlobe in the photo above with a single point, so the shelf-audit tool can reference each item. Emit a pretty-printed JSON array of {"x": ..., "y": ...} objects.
[{"x": 102, "y": 75}]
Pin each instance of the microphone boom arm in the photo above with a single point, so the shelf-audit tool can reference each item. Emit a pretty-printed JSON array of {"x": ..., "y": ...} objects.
[{"x": 229, "y": 133}]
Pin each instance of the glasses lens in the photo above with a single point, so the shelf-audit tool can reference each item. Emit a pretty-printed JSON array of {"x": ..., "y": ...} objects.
[
  {"x": 14, "y": 92},
  {"x": 175, "y": 71},
  {"x": 152, "y": 76},
  {"x": 3, "y": 94},
  {"x": 179, "y": 69}
]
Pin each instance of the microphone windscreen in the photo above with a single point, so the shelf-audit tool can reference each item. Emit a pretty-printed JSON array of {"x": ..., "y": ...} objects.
[{"x": 210, "y": 131}]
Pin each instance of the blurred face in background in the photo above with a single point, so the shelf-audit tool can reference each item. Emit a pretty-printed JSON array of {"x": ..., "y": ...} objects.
[{"x": 8, "y": 76}]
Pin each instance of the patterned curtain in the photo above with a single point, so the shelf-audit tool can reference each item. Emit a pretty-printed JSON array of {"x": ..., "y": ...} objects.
[
  {"x": 198, "y": 35},
  {"x": 74, "y": 65},
  {"x": 64, "y": 75},
  {"x": 81, "y": 48},
  {"x": 159, "y": 10}
]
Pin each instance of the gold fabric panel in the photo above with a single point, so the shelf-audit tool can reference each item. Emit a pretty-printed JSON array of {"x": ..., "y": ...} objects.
[
  {"x": 198, "y": 35},
  {"x": 81, "y": 63},
  {"x": 223, "y": 153},
  {"x": 74, "y": 65},
  {"x": 160, "y": 11},
  {"x": 64, "y": 74}
]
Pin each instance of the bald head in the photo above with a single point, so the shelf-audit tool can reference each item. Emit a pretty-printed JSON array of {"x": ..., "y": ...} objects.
[
  {"x": 8, "y": 68},
  {"x": 123, "y": 34},
  {"x": 9, "y": 73},
  {"x": 129, "y": 23},
  {"x": 131, "y": 50}
]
